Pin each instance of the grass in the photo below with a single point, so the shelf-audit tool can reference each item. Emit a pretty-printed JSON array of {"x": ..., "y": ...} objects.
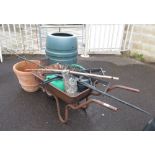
[
  {"x": 137, "y": 56},
  {"x": 134, "y": 55}
]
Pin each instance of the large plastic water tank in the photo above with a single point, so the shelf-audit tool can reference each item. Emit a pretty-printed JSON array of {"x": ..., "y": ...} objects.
[{"x": 61, "y": 48}]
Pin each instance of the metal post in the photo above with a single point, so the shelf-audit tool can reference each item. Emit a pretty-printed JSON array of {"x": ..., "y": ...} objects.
[
  {"x": 116, "y": 36},
  {"x": 112, "y": 37},
  {"x": 31, "y": 26},
  {"x": 21, "y": 36},
  {"x": 1, "y": 53},
  {"x": 94, "y": 40},
  {"x": 10, "y": 36},
  {"x": 125, "y": 41},
  {"x": 85, "y": 54},
  {"x": 121, "y": 43},
  {"x": 100, "y": 36},
  {"x": 40, "y": 37},
  {"x": 4, "y": 36},
  {"x": 1, "y": 58},
  {"x": 37, "y": 37},
  {"x": 26, "y": 39},
  {"x": 14, "y": 28},
  {"x": 83, "y": 43},
  {"x": 105, "y": 27},
  {"x": 109, "y": 37},
  {"x": 131, "y": 34}
]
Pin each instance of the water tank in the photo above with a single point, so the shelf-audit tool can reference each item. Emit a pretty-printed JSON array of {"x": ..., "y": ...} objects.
[{"x": 61, "y": 48}]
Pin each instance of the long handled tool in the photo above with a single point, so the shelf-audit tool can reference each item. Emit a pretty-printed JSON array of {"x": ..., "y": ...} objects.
[
  {"x": 72, "y": 72},
  {"x": 24, "y": 58},
  {"x": 106, "y": 94},
  {"x": 150, "y": 126},
  {"x": 76, "y": 73}
]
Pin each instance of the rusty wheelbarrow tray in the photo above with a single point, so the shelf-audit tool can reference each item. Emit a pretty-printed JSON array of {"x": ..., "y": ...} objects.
[{"x": 80, "y": 101}]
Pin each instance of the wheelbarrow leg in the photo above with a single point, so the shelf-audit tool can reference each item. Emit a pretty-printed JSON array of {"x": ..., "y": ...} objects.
[
  {"x": 76, "y": 107},
  {"x": 86, "y": 106},
  {"x": 65, "y": 119},
  {"x": 90, "y": 101}
]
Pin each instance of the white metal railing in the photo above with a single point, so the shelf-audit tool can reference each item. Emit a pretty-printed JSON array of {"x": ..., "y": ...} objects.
[
  {"x": 128, "y": 37},
  {"x": 1, "y": 58},
  {"x": 107, "y": 39},
  {"x": 92, "y": 39},
  {"x": 19, "y": 37}
]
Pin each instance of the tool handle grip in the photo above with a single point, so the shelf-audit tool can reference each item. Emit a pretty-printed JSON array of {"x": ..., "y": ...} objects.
[
  {"x": 105, "y": 105},
  {"x": 123, "y": 87}
]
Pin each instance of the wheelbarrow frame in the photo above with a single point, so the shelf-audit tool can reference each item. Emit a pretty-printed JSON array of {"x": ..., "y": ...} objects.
[{"x": 72, "y": 102}]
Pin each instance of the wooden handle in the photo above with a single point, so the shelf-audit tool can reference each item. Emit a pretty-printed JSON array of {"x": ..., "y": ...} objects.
[
  {"x": 77, "y": 73},
  {"x": 105, "y": 105}
]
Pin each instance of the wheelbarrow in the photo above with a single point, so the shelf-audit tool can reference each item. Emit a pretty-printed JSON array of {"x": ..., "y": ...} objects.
[
  {"x": 80, "y": 101},
  {"x": 72, "y": 102}
]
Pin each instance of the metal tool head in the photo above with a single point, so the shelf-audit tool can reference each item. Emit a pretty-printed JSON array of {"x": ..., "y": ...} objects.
[{"x": 150, "y": 126}]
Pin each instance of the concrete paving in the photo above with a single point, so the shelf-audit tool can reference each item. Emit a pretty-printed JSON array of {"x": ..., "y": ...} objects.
[{"x": 20, "y": 110}]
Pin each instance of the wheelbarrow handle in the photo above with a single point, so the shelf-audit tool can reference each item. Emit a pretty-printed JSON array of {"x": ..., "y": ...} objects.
[
  {"x": 115, "y": 98},
  {"x": 123, "y": 87},
  {"x": 105, "y": 104}
]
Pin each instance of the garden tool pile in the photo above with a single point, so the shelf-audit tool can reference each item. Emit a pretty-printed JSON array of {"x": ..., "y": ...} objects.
[{"x": 76, "y": 86}]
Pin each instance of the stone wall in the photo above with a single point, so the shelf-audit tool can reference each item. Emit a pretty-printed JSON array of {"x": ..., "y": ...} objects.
[{"x": 143, "y": 41}]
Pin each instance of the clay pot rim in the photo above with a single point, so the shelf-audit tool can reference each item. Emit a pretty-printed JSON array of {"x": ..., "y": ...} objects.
[{"x": 21, "y": 72}]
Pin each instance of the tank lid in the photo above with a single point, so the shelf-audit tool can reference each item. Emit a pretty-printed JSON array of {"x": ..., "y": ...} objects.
[{"x": 62, "y": 34}]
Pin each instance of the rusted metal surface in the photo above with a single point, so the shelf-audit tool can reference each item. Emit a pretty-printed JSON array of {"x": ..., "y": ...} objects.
[
  {"x": 60, "y": 94},
  {"x": 123, "y": 87},
  {"x": 72, "y": 102},
  {"x": 76, "y": 106}
]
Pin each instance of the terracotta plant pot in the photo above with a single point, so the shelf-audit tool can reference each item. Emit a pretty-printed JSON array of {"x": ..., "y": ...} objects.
[{"x": 27, "y": 81}]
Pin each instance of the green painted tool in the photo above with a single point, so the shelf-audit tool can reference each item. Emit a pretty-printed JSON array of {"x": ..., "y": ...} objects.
[{"x": 58, "y": 83}]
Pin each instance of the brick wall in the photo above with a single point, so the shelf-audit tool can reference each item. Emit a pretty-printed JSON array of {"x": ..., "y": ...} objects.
[{"x": 143, "y": 41}]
